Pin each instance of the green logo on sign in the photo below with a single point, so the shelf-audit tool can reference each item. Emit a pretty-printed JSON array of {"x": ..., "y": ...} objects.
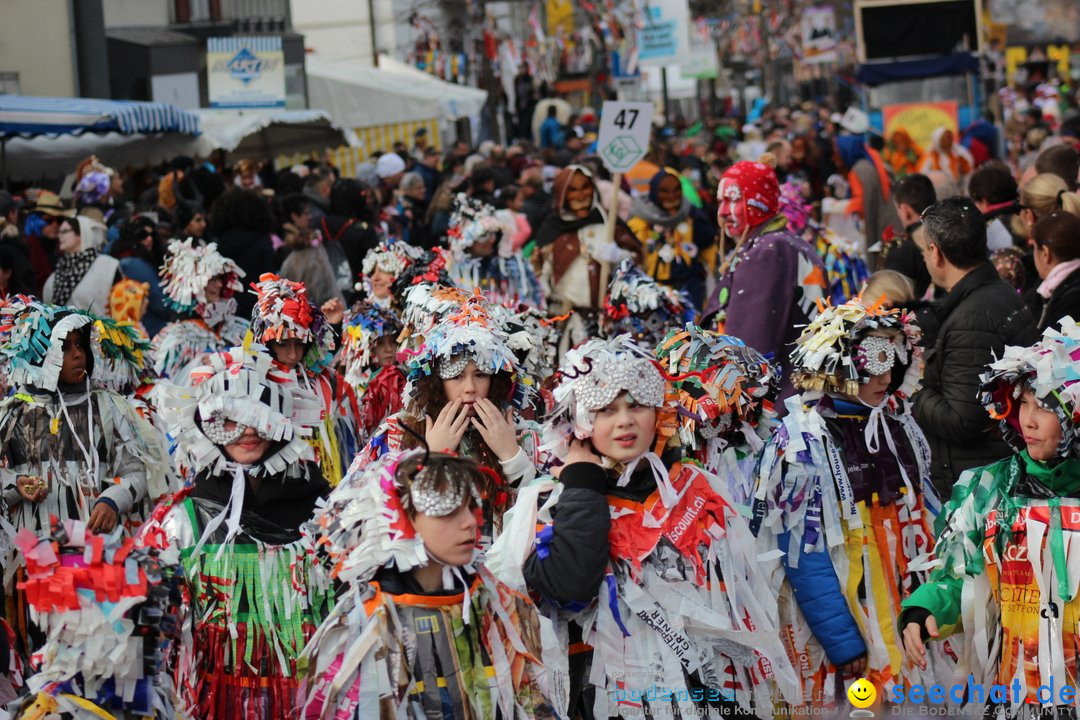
[{"x": 622, "y": 152}]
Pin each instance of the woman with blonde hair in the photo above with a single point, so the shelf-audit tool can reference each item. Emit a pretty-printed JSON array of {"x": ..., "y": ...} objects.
[
  {"x": 895, "y": 288},
  {"x": 1043, "y": 194}
]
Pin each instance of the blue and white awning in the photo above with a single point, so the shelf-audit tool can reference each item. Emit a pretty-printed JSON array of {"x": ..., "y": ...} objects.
[{"x": 27, "y": 116}]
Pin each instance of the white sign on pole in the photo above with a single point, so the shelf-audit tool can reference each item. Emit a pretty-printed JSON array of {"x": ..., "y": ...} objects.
[
  {"x": 624, "y": 134},
  {"x": 664, "y": 38}
]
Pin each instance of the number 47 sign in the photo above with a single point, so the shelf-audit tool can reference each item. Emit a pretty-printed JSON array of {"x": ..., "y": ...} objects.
[{"x": 624, "y": 134}]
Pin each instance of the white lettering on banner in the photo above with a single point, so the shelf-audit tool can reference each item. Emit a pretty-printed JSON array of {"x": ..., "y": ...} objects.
[
  {"x": 687, "y": 519},
  {"x": 843, "y": 485}
]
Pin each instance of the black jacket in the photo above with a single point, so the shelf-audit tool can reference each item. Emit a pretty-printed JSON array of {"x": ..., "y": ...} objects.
[
  {"x": 254, "y": 253},
  {"x": 978, "y": 318},
  {"x": 1065, "y": 301},
  {"x": 576, "y": 556},
  {"x": 907, "y": 259}
]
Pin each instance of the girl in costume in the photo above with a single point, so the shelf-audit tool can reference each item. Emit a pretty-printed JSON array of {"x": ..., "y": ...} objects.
[
  {"x": 639, "y": 305},
  {"x": 482, "y": 255},
  {"x": 299, "y": 337},
  {"x": 843, "y": 494},
  {"x": 1006, "y": 566},
  {"x": 679, "y": 239},
  {"x": 252, "y": 591},
  {"x": 463, "y": 396},
  {"x": 368, "y": 359},
  {"x": 724, "y": 392},
  {"x": 200, "y": 284},
  {"x": 654, "y": 570},
  {"x": 382, "y": 267},
  {"x": 93, "y": 664},
  {"x": 418, "y": 631}
]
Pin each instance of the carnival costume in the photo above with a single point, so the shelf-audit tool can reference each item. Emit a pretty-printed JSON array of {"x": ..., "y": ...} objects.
[
  {"x": 638, "y": 305},
  {"x": 653, "y": 569},
  {"x": 502, "y": 275},
  {"x": 284, "y": 312},
  {"x": 391, "y": 650},
  {"x": 390, "y": 256},
  {"x": 205, "y": 327},
  {"x": 845, "y": 271},
  {"x": 724, "y": 391},
  {"x": 381, "y": 389},
  {"x": 108, "y": 607},
  {"x": 575, "y": 258},
  {"x": 680, "y": 247},
  {"x": 470, "y": 334},
  {"x": 1006, "y": 563},
  {"x": 254, "y": 594},
  {"x": 85, "y": 442},
  {"x": 843, "y": 495}
]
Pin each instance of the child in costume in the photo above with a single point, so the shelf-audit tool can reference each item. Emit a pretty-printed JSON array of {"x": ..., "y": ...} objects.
[
  {"x": 843, "y": 494},
  {"x": 368, "y": 359},
  {"x": 95, "y": 663},
  {"x": 724, "y": 392},
  {"x": 382, "y": 267},
  {"x": 253, "y": 595},
  {"x": 654, "y": 570},
  {"x": 128, "y": 302},
  {"x": 299, "y": 337},
  {"x": 482, "y": 255},
  {"x": 679, "y": 239},
  {"x": 463, "y": 396},
  {"x": 200, "y": 284},
  {"x": 639, "y": 305},
  {"x": 418, "y": 631},
  {"x": 1006, "y": 565}
]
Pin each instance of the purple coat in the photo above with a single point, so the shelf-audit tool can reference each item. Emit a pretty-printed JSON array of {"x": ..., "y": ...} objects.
[{"x": 769, "y": 293}]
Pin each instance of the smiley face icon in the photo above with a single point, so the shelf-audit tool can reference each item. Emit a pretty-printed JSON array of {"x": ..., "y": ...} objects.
[{"x": 862, "y": 693}]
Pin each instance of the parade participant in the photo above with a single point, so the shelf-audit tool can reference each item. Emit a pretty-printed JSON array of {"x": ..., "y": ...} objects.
[
  {"x": 870, "y": 187},
  {"x": 463, "y": 396},
  {"x": 253, "y": 595},
  {"x": 902, "y": 154},
  {"x": 382, "y": 267},
  {"x": 948, "y": 156},
  {"x": 299, "y": 337},
  {"x": 201, "y": 285},
  {"x": 482, "y": 256},
  {"x": 368, "y": 360},
  {"x": 638, "y": 305},
  {"x": 95, "y": 664},
  {"x": 679, "y": 240},
  {"x": 71, "y": 448},
  {"x": 771, "y": 282},
  {"x": 448, "y": 639},
  {"x": 725, "y": 392},
  {"x": 679, "y": 601},
  {"x": 842, "y": 492},
  {"x": 574, "y": 255},
  {"x": 128, "y": 301},
  {"x": 1005, "y": 540},
  {"x": 845, "y": 271}
]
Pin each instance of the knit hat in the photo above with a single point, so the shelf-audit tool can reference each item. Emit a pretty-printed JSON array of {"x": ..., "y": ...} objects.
[
  {"x": 755, "y": 185},
  {"x": 388, "y": 165},
  {"x": 284, "y": 312},
  {"x": 1051, "y": 369}
]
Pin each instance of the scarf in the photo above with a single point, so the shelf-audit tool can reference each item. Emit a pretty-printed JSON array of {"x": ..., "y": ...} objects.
[
  {"x": 1056, "y": 276},
  {"x": 652, "y": 214},
  {"x": 70, "y": 269}
]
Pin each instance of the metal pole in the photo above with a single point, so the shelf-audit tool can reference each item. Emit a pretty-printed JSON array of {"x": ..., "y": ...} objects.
[
  {"x": 3, "y": 160},
  {"x": 371, "y": 21}
]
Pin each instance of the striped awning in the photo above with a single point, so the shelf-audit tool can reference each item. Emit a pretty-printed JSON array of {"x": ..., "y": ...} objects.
[{"x": 27, "y": 116}]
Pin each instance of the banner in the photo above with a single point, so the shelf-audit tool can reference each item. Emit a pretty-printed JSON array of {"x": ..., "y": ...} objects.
[
  {"x": 921, "y": 119},
  {"x": 819, "y": 35},
  {"x": 245, "y": 72},
  {"x": 560, "y": 16},
  {"x": 663, "y": 40}
]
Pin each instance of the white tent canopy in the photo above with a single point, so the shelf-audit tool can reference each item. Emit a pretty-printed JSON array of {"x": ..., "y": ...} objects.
[
  {"x": 358, "y": 96},
  {"x": 267, "y": 133}
]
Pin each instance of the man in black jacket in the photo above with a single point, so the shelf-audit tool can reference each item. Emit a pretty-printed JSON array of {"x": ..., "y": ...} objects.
[{"x": 979, "y": 316}]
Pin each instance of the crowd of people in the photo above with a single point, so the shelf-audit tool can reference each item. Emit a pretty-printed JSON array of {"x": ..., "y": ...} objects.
[{"x": 482, "y": 434}]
